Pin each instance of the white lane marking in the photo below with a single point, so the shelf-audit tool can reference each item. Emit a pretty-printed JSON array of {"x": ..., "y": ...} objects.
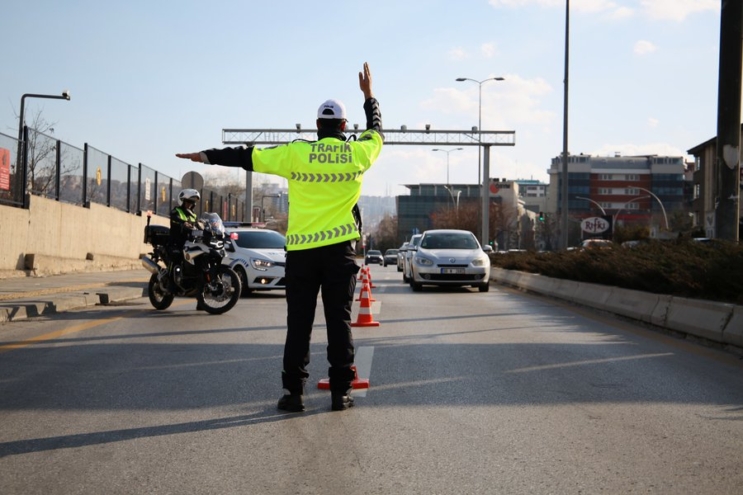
[{"x": 363, "y": 362}]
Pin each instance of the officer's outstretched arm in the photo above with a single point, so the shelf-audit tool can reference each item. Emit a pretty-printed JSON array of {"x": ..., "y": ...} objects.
[{"x": 231, "y": 157}]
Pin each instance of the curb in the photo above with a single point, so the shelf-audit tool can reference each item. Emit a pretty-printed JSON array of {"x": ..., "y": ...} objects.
[{"x": 11, "y": 311}]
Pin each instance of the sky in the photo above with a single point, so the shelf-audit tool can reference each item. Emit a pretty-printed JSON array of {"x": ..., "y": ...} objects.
[{"x": 149, "y": 79}]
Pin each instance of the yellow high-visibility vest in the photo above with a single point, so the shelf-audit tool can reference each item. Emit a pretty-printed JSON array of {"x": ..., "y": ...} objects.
[
  {"x": 185, "y": 214},
  {"x": 324, "y": 184}
]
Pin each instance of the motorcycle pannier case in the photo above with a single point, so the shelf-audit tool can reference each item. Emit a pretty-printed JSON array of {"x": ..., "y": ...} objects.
[{"x": 157, "y": 235}]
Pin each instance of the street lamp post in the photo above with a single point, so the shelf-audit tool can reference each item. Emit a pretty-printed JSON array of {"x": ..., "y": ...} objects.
[
  {"x": 447, "y": 160},
  {"x": 479, "y": 116},
  {"x": 21, "y": 161},
  {"x": 485, "y": 193},
  {"x": 665, "y": 217},
  {"x": 603, "y": 212},
  {"x": 451, "y": 195}
]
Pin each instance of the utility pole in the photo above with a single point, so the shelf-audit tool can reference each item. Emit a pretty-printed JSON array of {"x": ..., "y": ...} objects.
[
  {"x": 727, "y": 202},
  {"x": 564, "y": 204}
]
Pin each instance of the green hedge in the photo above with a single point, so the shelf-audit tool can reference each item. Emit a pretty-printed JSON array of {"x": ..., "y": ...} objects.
[{"x": 712, "y": 271}]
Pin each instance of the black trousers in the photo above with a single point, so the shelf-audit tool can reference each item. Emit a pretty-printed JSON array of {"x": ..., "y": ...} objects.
[{"x": 331, "y": 270}]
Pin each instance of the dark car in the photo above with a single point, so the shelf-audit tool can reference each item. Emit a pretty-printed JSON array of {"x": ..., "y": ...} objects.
[{"x": 374, "y": 256}]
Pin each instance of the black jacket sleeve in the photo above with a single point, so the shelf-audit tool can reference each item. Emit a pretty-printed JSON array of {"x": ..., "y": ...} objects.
[
  {"x": 373, "y": 115},
  {"x": 231, "y": 157}
]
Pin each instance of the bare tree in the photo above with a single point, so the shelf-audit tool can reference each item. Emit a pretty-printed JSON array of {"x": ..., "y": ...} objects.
[
  {"x": 41, "y": 152},
  {"x": 464, "y": 217},
  {"x": 385, "y": 235}
]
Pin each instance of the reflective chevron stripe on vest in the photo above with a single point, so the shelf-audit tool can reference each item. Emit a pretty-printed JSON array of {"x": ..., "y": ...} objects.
[
  {"x": 299, "y": 239},
  {"x": 305, "y": 177},
  {"x": 324, "y": 185}
]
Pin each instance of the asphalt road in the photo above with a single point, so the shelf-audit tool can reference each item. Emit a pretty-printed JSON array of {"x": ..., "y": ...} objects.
[{"x": 496, "y": 392}]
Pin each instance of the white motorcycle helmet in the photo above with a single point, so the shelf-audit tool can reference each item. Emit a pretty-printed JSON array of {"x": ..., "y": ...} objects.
[{"x": 188, "y": 195}]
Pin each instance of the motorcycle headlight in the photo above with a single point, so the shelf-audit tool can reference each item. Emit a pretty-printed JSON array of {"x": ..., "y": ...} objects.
[{"x": 261, "y": 264}]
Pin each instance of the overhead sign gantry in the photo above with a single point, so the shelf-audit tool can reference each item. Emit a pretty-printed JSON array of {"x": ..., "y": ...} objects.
[{"x": 402, "y": 136}]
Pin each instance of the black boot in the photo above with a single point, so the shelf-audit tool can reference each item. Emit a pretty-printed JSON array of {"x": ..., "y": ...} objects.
[
  {"x": 291, "y": 403},
  {"x": 341, "y": 401}
]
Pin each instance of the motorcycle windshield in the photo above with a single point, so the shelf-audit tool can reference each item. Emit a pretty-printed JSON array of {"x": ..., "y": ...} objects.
[{"x": 213, "y": 224}]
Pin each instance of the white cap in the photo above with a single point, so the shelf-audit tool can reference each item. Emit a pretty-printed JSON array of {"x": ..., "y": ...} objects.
[{"x": 332, "y": 109}]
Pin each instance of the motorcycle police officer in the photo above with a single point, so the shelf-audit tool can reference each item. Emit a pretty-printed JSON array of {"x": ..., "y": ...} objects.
[
  {"x": 183, "y": 220},
  {"x": 324, "y": 178}
]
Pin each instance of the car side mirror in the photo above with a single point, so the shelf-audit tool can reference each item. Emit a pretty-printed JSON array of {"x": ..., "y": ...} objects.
[{"x": 487, "y": 248}]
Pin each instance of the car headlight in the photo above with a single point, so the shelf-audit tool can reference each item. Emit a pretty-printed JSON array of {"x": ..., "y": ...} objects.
[
  {"x": 480, "y": 261},
  {"x": 261, "y": 264},
  {"x": 423, "y": 261}
]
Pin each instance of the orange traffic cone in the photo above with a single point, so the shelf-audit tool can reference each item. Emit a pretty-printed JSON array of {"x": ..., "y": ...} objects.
[
  {"x": 357, "y": 382},
  {"x": 362, "y": 273},
  {"x": 365, "y": 318},
  {"x": 365, "y": 288},
  {"x": 368, "y": 276}
]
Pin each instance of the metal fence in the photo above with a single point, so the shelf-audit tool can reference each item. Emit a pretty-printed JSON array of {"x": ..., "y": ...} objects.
[{"x": 48, "y": 167}]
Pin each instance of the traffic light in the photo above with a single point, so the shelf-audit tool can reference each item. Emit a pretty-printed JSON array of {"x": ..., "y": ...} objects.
[{"x": 541, "y": 216}]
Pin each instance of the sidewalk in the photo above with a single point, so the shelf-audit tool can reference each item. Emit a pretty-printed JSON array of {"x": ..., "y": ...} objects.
[{"x": 28, "y": 297}]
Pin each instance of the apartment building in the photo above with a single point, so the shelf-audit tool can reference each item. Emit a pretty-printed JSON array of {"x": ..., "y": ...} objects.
[
  {"x": 703, "y": 185},
  {"x": 642, "y": 190}
]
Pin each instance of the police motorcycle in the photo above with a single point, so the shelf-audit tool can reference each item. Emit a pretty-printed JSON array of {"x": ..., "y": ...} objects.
[{"x": 202, "y": 275}]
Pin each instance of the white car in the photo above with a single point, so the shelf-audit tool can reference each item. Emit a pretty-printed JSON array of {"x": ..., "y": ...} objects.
[
  {"x": 401, "y": 256},
  {"x": 258, "y": 256},
  {"x": 408, "y": 257},
  {"x": 448, "y": 257}
]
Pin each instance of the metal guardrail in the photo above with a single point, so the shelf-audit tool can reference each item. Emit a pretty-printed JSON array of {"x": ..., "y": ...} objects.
[{"x": 57, "y": 170}]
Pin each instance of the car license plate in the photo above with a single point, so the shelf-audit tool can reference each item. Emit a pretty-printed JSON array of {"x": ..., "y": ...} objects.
[{"x": 456, "y": 271}]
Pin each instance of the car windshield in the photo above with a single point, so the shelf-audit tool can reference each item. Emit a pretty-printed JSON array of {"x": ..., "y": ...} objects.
[
  {"x": 390, "y": 252},
  {"x": 260, "y": 239},
  {"x": 449, "y": 241},
  {"x": 374, "y": 253}
]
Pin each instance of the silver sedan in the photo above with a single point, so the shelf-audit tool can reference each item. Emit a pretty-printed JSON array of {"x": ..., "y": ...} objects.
[{"x": 451, "y": 258}]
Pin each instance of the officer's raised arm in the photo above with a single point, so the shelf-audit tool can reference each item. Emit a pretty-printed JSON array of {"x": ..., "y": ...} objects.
[
  {"x": 371, "y": 105},
  {"x": 365, "y": 82}
]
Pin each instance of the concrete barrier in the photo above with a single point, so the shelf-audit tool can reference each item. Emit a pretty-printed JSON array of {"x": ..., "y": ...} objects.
[
  {"x": 733, "y": 332},
  {"x": 592, "y": 295},
  {"x": 538, "y": 283},
  {"x": 52, "y": 237},
  {"x": 704, "y": 319},
  {"x": 566, "y": 289},
  {"x": 638, "y": 305},
  {"x": 714, "y": 321}
]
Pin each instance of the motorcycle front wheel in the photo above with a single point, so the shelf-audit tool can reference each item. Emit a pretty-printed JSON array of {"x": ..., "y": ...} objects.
[
  {"x": 158, "y": 298},
  {"x": 220, "y": 295}
]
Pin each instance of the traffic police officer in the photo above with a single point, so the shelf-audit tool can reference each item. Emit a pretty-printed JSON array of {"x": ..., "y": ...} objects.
[
  {"x": 324, "y": 179},
  {"x": 183, "y": 217},
  {"x": 182, "y": 222}
]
